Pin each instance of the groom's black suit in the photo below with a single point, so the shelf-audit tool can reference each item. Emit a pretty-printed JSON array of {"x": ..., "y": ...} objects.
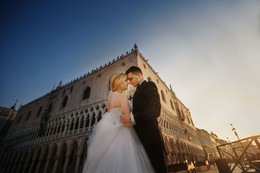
[{"x": 146, "y": 109}]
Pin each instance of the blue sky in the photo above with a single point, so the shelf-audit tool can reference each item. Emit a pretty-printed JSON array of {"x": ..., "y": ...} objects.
[{"x": 207, "y": 50}]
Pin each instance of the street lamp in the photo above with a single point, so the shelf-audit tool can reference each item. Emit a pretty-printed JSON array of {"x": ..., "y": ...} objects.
[{"x": 235, "y": 131}]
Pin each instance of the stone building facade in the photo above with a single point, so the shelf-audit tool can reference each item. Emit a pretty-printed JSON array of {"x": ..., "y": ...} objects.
[
  {"x": 209, "y": 142},
  {"x": 7, "y": 115},
  {"x": 50, "y": 133}
]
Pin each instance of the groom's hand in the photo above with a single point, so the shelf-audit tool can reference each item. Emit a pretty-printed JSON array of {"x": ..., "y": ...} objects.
[{"x": 125, "y": 119}]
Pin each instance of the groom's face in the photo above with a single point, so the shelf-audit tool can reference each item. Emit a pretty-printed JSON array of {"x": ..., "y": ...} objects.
[{"x": 134, "y": 78}]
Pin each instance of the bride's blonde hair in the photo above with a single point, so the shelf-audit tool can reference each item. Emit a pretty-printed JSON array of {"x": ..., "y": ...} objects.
[{"x": 116, "y": 80}]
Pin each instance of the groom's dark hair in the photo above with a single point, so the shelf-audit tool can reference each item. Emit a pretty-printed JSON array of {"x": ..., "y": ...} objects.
[{"x": 134, "y": 69}]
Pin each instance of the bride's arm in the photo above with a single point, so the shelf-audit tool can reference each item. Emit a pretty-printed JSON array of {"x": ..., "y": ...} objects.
[
  {"x": 124, "y": 105},
  {"x": 125, "y": 114}
]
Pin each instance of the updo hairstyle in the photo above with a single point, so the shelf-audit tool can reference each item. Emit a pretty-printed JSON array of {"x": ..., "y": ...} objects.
[{"x": 116, "y": 80}]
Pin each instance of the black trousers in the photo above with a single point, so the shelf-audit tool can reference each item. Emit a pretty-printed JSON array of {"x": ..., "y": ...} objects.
[{"x": 156, "y": 154}]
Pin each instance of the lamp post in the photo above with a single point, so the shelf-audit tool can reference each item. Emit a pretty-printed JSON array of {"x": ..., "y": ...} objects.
[{"x": 235, "y": 131}]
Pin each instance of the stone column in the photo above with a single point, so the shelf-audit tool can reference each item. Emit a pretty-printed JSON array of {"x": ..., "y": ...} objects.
[
  {"x": 36, "y": 133},
  {"x": 57, "y": 160},
  {"x": 85, "y": 121},
  {"x": 80, "y": 121},
  {"x": 46, "y": 132},
  {"x": 70, "y": 124},
  {"x": 32, "y": 133},
  {"x": 77, "y": 163},
  {"x": 38, "y": 165},
  {"x": 58, "y": 128},
  {"x": 28, "y": 160},
  {"x": 74, "y": 125},
  {"x": 46, "y": 165},
  {"x": 32, "y": 165},
  {"x": 27, "y": 133},
  {"x": 90, "y": 121},
  {"x": 66, "y": 164},
  {"x": 52, "y": 129},
  {"x": 24, "y": 167},
  {"x": 96, "y": 118},
  {"x": 22, "y": 136},
  {"x": 41, "y": 157},
  {"x": 65, "y": 128}
]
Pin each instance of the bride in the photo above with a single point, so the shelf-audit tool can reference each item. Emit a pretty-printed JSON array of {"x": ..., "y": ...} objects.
[{"x": 114, "y": 147}]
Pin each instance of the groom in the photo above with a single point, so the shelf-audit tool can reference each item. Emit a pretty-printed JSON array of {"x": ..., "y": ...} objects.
[{"x": 146, "y": 109}]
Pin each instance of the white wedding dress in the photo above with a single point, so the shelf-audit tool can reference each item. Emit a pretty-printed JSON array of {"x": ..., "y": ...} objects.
[{"x": 114, "y": 148}]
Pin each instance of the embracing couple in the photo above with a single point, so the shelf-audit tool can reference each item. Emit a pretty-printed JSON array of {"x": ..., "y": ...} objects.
[{"x": 128, "y": 140}]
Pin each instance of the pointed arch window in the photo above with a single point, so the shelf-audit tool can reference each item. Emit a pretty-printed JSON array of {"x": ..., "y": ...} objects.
[
  {"x": 39, "y": 112},
  {"x": 28, "y": 115},
  {"x": 71, "y": 89},
  {"x": 86, "y": 93},
  {"x": 50, "y": 107},
  {"x": 163, "y": 96},
  {"x": 64, "y": 102},
  {"x": 172, "y": 105}
]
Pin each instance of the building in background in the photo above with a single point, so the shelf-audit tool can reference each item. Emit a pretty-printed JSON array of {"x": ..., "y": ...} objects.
[
  {"x": 50, "y": 134},
  {"x": 7, "y": 115},
  {"x": 209, "y": 142}
]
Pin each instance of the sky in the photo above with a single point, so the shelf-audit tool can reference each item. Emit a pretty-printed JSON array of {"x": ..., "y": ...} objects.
[{"x": 207, "y": 50}]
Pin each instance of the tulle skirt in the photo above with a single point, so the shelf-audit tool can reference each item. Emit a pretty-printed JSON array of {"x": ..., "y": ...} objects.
[{"x": 114, "y": 148}]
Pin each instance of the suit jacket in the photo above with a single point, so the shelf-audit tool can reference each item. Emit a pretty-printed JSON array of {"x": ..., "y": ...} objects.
[{"x": 146, "y": 109}]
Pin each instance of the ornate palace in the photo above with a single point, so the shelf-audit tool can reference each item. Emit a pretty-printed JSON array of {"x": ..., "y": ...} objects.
[{"x": 50, "y": 134}]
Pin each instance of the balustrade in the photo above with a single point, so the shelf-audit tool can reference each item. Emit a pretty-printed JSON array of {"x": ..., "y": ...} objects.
[{"x": 66, "y": 124}]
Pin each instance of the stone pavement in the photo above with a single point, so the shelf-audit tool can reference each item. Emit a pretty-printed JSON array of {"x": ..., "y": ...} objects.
[
  {"x": 212, "y": 169},
  {"x": 203, "y": 169}
]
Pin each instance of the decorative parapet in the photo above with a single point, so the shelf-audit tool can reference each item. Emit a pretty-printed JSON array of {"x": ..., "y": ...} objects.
[{"x": 75, "y": 122}]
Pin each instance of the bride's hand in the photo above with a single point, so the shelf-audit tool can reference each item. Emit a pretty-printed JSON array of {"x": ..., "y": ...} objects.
[
  {"x": 128, "y": 124},
  {"x": 125, "y": 119}
]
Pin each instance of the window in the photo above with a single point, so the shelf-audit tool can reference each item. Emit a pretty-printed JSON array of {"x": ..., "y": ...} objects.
[
  {"x": 163, "y": 96},
  {"x": 50, "y": 107},
  {"x": 64, "y": 102},
  {"x": 28, "y": 115},
  {"x": 86, "y": 93},
  {"x": 172, "y": 104},
  {"x": 71, "y": 89},
  {"x": 39, "y": 112}
]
